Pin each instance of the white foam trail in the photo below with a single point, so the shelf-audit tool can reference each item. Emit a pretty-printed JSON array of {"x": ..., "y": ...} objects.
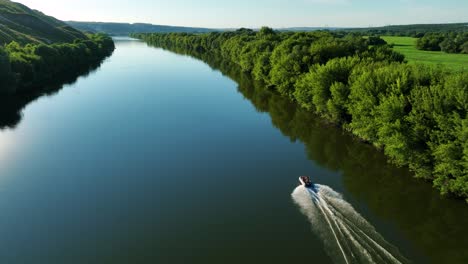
[{"x": 347, "y": 236}]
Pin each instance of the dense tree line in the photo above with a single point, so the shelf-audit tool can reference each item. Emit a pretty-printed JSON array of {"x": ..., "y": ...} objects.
[
  {"x": 29, "y": 67},
  {"x": 416, "y": 114},
  {"x": 446, "y": 42}
]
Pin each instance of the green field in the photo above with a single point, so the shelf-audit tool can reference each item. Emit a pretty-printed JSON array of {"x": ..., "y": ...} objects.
[{"x": 407, "y": 46}]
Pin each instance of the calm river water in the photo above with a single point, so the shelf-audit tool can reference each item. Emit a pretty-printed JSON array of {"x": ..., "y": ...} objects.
[{"x": 157, "y": 157}]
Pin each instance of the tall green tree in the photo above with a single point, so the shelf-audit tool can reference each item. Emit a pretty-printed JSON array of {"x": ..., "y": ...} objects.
[{"x": 6, "y": 75}]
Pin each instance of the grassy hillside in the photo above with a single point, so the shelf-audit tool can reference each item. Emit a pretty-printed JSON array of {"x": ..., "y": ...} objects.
[
  {"x": 127, "y": 29},
  {"x": 37, "y": 50},
  {"x": 20, "y": 23},
  {"x": 407, "y": 46}
]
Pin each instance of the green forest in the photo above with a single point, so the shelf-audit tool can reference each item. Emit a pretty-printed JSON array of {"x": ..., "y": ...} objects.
[
  {"x": 416, "y": 114},
  {"x": 28, "y": 67},
  {"x": 446, "y": 42}
]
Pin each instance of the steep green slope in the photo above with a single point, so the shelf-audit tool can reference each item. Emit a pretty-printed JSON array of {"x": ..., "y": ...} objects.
[
  {"x": 37, "y": 50},
  {"x": 24, "y": 25}
]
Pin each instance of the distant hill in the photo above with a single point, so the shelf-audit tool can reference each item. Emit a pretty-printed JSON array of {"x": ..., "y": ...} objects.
[
  {"x": 24, "y": 25},
  {"x": 415, "y": 30},
  {"x": 117, "y": 29},
  {"x": 405, "y": 30},
  {"x": 128, "y": 28}
]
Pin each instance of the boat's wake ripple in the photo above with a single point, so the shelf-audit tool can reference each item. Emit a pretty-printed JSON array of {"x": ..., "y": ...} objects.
[{"x": 347, "y": 236}]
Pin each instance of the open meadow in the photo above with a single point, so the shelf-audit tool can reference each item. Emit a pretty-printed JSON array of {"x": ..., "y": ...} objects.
[{"x": 407, "y": 46}]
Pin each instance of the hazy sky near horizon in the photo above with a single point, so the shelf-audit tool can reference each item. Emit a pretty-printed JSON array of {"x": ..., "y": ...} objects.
[{"x": 256, "y": 13}]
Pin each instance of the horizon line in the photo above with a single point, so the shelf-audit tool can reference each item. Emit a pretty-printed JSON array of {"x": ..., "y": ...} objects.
[{"x": 201, "y": 27}]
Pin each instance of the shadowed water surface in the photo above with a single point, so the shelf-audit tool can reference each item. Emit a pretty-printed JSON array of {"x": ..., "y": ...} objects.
[{"x": 156, "y": 157}]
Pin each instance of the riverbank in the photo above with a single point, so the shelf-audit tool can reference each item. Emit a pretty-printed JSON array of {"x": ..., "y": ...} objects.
[
  {"x": 32, "y": 68},
  {"x": 414, "y": 113}
]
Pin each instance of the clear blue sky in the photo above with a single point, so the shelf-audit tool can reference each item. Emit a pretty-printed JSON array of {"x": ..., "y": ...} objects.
[{"x": 255, "y": 13}]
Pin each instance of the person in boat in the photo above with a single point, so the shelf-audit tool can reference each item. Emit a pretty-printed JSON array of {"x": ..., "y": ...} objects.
[{"x": 305, "y": 181}]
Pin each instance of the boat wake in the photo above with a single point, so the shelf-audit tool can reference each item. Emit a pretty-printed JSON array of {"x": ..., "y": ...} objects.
[{"x": 347, "y": 236}]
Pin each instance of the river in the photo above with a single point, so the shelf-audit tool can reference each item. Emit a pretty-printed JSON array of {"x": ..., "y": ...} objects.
[{"x": 157, "y": 157}]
